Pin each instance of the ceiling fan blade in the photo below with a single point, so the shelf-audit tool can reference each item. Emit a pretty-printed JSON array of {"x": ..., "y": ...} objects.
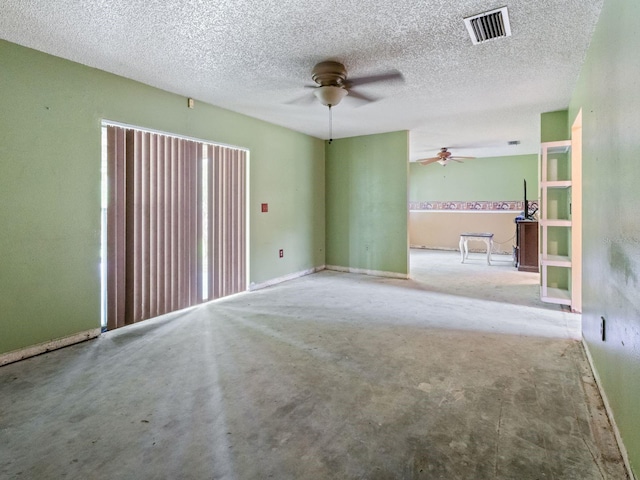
[
  {"x": 458, "y": 156},
  {"x": 427, "y": 161},
  {"x": 394, "y": 75},
  {"x": 360, "y": 96},
  {"x": 455, "y": 159},
  {"x": 306, "y": 99}
]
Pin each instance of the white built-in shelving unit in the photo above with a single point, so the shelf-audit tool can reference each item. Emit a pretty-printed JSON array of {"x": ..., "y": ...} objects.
[{"x": 555, "y": 222}]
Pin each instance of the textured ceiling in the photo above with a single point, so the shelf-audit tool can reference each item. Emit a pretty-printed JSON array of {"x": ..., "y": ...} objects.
[{"x": 254, "y": 56}]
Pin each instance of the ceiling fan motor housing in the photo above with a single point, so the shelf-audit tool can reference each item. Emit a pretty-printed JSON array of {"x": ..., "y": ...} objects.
[{"x": 329, "y": 74}]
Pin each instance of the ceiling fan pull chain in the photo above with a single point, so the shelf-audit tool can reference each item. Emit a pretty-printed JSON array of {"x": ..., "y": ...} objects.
[{"x": 330, "y": 125}]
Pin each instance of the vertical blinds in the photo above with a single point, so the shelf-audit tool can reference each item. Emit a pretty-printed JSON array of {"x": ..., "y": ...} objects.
[
  {"x": 176, "y": 210},
  {"x": 227, "y": 222}
]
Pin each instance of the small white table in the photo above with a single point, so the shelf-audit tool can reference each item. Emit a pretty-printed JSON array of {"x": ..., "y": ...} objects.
[{"x": 487, "y": 238}]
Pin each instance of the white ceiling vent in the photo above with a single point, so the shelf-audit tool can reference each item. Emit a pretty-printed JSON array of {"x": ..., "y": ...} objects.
[{"x": 488, "y": 25}]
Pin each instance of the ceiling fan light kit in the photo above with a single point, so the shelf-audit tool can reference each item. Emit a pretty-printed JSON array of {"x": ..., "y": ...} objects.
[{"x": 330, "y": 95}]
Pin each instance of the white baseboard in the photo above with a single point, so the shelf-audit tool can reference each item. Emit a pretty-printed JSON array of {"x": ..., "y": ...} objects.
[
  {"x": 374, "y": 273},
  {"x": 285, "y": 278},
  {"x": 495, "y": 251},
  {"x": 425, "y": 247},
  {"x": 607, "y": 407},
  {"x": 40, "y": 348}
]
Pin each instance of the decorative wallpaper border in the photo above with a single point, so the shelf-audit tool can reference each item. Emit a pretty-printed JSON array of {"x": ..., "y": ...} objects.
[{"x": 474, "y": 206}]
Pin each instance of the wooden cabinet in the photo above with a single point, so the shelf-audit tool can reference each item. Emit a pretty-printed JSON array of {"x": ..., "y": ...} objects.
[{"x": 527, "y": 245}]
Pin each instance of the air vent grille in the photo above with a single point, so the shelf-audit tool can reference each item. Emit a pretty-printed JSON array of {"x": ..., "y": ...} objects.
[{"x": 489, "y": 25}]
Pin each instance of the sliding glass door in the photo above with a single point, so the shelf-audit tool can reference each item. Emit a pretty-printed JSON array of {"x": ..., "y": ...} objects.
[{"x": 175, "y": 223}]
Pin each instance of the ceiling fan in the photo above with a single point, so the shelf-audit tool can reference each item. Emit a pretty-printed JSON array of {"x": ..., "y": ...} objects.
[
  {"x": 332, "y": 85},
  {"x": 443, "y": 157}
]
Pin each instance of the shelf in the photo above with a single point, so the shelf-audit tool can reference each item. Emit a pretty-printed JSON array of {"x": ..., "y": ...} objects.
[
  {"x": 555, "y": 222},
  {"x": 557, "y": 296},
  {"x": 556, "y": 184},
  {"x": 556, "y": 261},
  {"x": 562, "y": 146}
]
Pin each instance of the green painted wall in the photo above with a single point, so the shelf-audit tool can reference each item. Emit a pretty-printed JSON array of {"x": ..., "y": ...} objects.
[
  {"x": 608, "y": 94},
  {"x": 553, "y": 126},
  {"x": 487, "y": 179},
  {"x": 366, "y": 202},
  {"x": 50, "y": 140}
]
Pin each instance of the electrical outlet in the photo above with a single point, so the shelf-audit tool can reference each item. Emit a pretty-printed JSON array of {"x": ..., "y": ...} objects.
[
  {"x": 281, "y": 253},
  {"x": 603, "y": 328}
]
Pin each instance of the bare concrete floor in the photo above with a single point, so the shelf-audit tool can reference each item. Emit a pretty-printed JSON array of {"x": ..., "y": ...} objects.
[{"x": 459, "y": 373}]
